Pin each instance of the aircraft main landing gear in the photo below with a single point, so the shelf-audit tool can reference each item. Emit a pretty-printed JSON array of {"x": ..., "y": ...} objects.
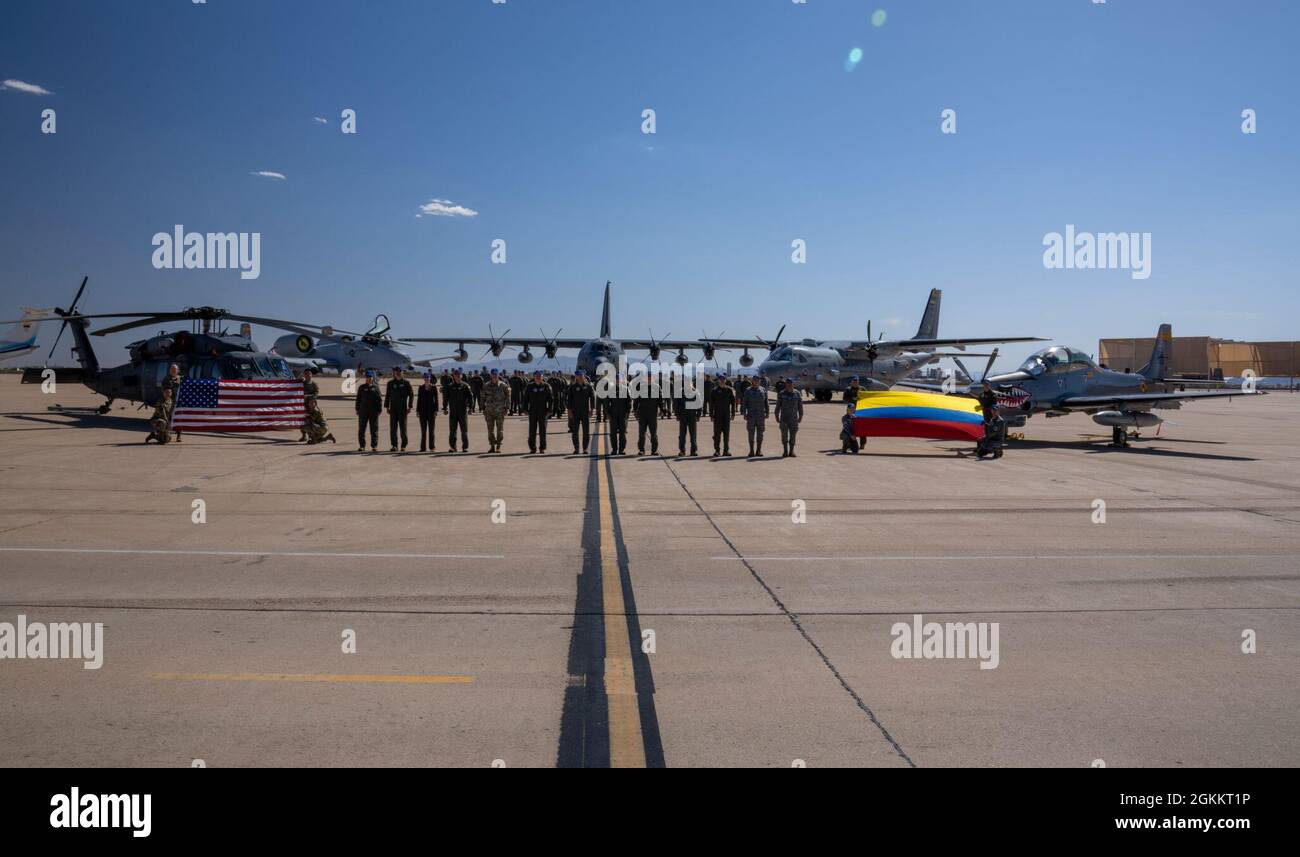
[{"x": 1119, "y": 438}]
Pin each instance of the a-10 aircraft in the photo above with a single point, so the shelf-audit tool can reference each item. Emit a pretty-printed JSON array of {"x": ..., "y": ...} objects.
[
  {"x": 827, "y": 367},
  {"x": 336, "y": 351},
  {"x": 592, "y": 351},
  {"x": 1060, "y": 380}
]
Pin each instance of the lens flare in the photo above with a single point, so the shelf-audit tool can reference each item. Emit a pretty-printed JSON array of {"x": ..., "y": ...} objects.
[
  {"x": 855, "y": 57},
  {"x": 878, "y": 18}
]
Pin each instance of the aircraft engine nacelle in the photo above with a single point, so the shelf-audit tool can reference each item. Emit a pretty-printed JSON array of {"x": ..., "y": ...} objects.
[
  {"x": 496, "y": 348},
  {"x": 550, "y": 352},
  {"x": 746, "y": 360},
  {"x": 460, "y": 355},
  {"x": 294, "y": 345},
  {"x": 158, "y": 346},
  {"x": 1127, "y": 419},
  {"x": 654, "y": 353},
  {"x": 525, "y": 356},
  {"x": 708, "y": 352},
  {"x": 681, "y": 359}
]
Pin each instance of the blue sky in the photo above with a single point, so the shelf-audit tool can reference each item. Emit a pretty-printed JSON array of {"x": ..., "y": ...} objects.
[{"x": 1123, "y": 116}]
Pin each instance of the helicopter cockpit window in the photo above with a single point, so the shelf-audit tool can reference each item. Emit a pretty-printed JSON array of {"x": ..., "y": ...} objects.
[
  {"x": 781, "y": 354},
  {"x": 238, "y": 367},
  {"x": 799, "y": 358},
  {"x": 263, "y": 367},
  {"x": 280, "y": 369}
]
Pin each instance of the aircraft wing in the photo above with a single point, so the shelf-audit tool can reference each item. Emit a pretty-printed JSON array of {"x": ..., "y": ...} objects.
[
  {"x": 860, "y": 350},
  {"x": 1089, "y": 402},
  {"x": 670, "y": 344},
  {"x": 531, "y": 342}
]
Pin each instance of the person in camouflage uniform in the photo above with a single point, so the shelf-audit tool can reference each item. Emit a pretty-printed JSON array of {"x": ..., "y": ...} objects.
[
  {"x": 756, "y": 410},
  {"x": 315, "y": 426},
  {"x": 495, "y": 399},
  {"x": 160, "y": 422},
  {"x": 172, "y": 381}
]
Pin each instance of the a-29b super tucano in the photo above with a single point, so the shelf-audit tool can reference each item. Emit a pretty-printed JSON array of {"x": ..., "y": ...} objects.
[{"x": 1059, "y": 380}]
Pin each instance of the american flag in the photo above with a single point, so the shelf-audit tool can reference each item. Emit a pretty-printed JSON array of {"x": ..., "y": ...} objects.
[{"x": 226, "y": 405}]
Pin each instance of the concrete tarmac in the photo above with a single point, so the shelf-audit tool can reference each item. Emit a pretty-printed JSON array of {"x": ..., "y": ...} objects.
[{"x": 529, "y": 610}]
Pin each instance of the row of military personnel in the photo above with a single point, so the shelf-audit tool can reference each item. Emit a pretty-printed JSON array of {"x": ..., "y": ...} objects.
[{"x": 578, "y": 401}]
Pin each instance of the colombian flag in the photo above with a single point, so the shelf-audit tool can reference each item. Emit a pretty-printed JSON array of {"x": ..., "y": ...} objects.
[{"x": 899, "y": 413}]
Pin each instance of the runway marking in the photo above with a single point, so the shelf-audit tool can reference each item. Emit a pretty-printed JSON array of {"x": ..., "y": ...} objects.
[
  {"x": 322, "y": 677},
  {"x": 323, "y": 554},
  {"x": 626, "y": 748},
  {"x": 608, "y": 717},
  {"x": 794, "y": 620}
]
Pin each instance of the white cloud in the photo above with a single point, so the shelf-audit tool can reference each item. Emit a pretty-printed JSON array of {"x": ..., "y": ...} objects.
[
  {"x": 321, "y": 119},
  {"x": 445, "y": 208},
  {"x": 268, "y": 174},
  {"x": 29, "y": 88}
]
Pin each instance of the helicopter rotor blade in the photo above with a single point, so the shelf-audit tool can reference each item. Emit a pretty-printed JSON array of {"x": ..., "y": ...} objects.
[{"x": 72, "y": 310}]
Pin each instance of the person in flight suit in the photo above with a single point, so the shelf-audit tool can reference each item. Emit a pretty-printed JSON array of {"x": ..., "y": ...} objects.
[
  {"x": 687, "y": 407},
  {"x": 315, "y": 427},
  {"x": 722, "y": 407},
  {"x": 369, "y": 405},
  {"x": 495, "y": 400},
  {"x": 741, "y": 385},
  {"x": 618, "y": 407},
  {"x": 398, "y": 399},
  {"x": 854, "y": 391},
  {"x": 517, "y": 385},
  {"x": 789, "y": 411},
  {"x": 754, "y": 407},
  {"x": 580, "y": 403},
  {"x": 988, "y": 400},
  {"x": 426, "y": 410},
  {"x": 476, "y": 386},
  {"x": 444, "y": 381},
  {"x": 558, "y": 388},
  {"x": 160, "y": 422},
  {"x": 647, "y": 419},
  {"x": 849, "y": 443},
  {"x": 457, "y": 400},
  {"x": 538, "y": 399}
]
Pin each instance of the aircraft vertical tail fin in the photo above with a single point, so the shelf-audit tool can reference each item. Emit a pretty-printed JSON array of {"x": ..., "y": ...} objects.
[
  {"x": 604, "y": 315},
  {"x": 84, "y": 350},
  {"x": 929, "y": 328},
  {"x": 21, "y": 335},
  {"x": 1158, "y": 366}
]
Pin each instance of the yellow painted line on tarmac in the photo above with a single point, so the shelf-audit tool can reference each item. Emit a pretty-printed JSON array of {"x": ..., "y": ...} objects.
[
  {"x": 626, "y": 745},
  {"x": 318, "y": 677}
]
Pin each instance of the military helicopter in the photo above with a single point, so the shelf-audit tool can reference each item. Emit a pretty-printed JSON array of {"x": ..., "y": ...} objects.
[{"x": 205, "y": 351}]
